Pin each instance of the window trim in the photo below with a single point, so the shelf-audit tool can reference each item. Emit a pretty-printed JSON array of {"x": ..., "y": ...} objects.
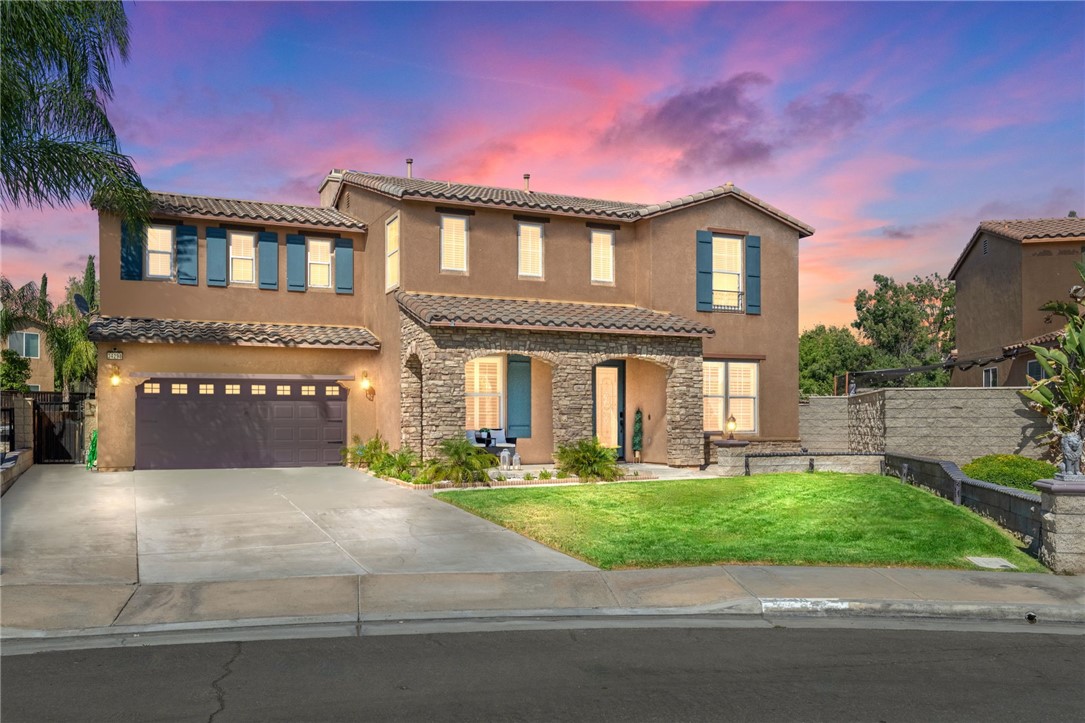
[
  {"x": 391, "y": 257},
  {"x": 230, "y": 253},
  {"x": 591, "y": 257},
  {"x": 309, "y": 240},
  {"x": 740, "y": 306},
  {"x": 520, "y": 250},
  {"x": 726, "y": 395},
  {"x": 466, "y": 245},
  {"x": 22, "y": 338},
  {"x": 501, "y": 393},
  {"x": 147, "y": 275}
]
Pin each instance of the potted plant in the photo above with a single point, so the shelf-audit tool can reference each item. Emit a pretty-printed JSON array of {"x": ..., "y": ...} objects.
[{"x": 638, "y": 434}]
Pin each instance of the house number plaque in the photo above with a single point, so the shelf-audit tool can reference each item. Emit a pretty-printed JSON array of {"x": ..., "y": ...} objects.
[{"x": 114, "y": 355}]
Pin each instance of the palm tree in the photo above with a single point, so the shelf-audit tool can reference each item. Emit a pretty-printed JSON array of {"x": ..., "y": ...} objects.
[
  {"x": 75, "y": 357},
  {"x": 20, "y": 306},
  {"x": 57, "y": 145}
]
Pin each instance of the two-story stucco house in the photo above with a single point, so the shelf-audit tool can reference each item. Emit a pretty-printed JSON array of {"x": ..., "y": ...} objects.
[
  {"x": 264, "y": 334},
  {"x": 1007, "y": 271},
  {"x": 30, "y": 343}
]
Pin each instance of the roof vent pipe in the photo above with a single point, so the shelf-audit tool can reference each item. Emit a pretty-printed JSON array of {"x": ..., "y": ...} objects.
[
  {"x": 410, "y": 170},
  {"x": 527, "y": 182}
]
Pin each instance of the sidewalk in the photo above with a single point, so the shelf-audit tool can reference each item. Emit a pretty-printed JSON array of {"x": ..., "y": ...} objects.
[{"x": 62, "y": 613}]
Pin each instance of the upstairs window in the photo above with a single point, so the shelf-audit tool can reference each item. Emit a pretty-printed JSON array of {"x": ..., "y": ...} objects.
[
  {"x": 602, "y": 257},
  {"x": 990, "y": 377},
  {"x": 391, "y": 253},
  {"x": 483, "y": 392},
  {"x": 25, "y": 343},
  {"x": 242, "y": 257},
  {"x": 730, "y": 389},
  {"x": 1034, "y": 370},
  {"x": 531, "y": 250},
  {"x": 320, "y": 263},
  {"x": 160, "y": 242},
  {"x": 727, "y": 272},
  {"x": 454, "y": 243}
]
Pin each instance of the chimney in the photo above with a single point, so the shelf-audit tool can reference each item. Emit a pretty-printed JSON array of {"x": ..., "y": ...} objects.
[
  {"x": 527, "y": 182},
  {"x": 410, "y": 170}
]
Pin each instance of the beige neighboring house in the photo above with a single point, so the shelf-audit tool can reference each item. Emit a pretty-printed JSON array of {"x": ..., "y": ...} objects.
[
  {"x": 30, "y": 342},
  {"x": 1008, "y": 270},
  {"x": 249, "y": 334}
]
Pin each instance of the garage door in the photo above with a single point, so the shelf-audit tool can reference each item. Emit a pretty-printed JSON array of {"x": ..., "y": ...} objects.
[{"x": 214, "y": 423}]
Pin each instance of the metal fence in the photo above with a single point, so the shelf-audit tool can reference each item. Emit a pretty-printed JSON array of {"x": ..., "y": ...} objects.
[{"x": 7, "y": 429}]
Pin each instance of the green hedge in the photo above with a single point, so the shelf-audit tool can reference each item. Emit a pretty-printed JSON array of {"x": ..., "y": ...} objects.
[{"x": 1011, "y": 470}]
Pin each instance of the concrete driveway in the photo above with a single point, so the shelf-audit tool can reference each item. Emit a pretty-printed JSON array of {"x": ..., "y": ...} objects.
[{"x": 63, "y": 525}]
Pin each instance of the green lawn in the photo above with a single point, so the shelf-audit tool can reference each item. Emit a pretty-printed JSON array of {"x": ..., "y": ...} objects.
[{"x": 822, "y": 518}]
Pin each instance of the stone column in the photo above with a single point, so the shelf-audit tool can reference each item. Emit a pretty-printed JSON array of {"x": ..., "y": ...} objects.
[
  {"x": 730, "y": 458},
  {"x": 685, "y": 413},
  {"x": 1062, "y": 502},
  {"x": 572, "y": 399}
]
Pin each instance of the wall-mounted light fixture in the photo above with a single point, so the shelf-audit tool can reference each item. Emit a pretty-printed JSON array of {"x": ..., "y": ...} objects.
[
  {"x": 732, "y": 425},
  {"x": 114, "y": 375},
  {"x": 367, "y": 386}
]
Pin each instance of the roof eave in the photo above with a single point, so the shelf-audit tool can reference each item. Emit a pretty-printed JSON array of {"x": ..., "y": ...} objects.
[
  {"x": 576, "y": 329},
  {"x": 238, "y": 219},
  {"x": 750, "y": 200}
]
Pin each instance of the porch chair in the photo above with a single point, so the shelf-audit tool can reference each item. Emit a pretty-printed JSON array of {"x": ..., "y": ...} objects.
[
  {"x": 470, "y": 434},
  {"x": 497, "y": 439}
]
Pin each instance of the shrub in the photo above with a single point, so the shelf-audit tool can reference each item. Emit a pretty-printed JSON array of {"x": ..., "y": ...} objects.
[
  {"x": 588, "y": 460},
  {"x": 1010, "y": 470},
  {"x": 373, "y": 451},
  {"x": 561, "y": 474},
  {"x": 351, "y": 454},
  {"x": 528, "y": 476},
  {"x": 546, "y": 474},
  {"x": 460, "y": 462},
  {"x": 399, "y": 464}
]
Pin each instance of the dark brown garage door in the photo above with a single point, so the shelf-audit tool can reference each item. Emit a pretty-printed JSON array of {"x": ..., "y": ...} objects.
[{"x": 214, "y": 423}]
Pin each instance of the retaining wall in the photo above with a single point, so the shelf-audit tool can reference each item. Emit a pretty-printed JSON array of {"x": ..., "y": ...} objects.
[
  {"x": 823, "y": 423},
  {"x": 856, "y": 463},
  {"x": 1015, "y": 510}
]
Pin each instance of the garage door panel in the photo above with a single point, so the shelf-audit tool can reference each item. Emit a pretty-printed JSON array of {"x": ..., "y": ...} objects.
[{"x": 196, "y": 431}]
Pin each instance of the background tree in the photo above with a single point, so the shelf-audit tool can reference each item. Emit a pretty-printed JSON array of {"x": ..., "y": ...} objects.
[
  {"x": 826, "y": 352},
  {"x": 75, "y": 357},
  {"x": 57, "y": 145},
  {"x": 909, "y": 324},
  {"x": 18, "y": 306},
  {"x": 15, "y": 371}
]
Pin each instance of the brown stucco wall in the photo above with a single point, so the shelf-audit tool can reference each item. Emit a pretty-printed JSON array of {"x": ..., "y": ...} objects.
[
  {"x": 1047, "y": 273},
  {"x": 116, "y": 405},
  {"x": 242, "y": 303},
  {"x": 771, "y": 335},
  {"x": 646, "y": 388}
]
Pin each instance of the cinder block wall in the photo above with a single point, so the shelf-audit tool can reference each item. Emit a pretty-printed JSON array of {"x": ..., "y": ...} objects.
[
  {"x": 823, "y": 424},
  {"x": 949, "y": 423},
  {"x": 24, "y": 420}
]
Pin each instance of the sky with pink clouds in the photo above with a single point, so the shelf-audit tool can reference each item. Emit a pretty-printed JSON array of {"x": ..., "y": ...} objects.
[{"x": 893, "y": 128}]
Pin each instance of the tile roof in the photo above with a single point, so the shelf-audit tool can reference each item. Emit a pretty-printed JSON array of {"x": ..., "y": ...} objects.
[
  {"x": 1041, "y": 340},
  {"x": 1030, "y": 228},
  {"x": 174, "y": 331},
  {"x": 472, "y": 312},
  {"x": 475, "y": 195},
  {"x": 176, "y": 204}
]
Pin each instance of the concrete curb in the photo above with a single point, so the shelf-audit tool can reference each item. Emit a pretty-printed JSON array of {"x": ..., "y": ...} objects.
[{"x": 754, "y": 611}]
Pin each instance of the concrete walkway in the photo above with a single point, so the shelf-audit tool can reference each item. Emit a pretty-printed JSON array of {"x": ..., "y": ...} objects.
[{"x": 97, "y": 559}]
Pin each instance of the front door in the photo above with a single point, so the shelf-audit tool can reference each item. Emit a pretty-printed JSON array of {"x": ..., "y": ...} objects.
[{"x": 608, "y": 388}]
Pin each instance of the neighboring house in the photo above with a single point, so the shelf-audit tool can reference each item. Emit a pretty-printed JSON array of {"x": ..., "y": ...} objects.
[
  {"x": 1008, "y": 270},
  {"x": 30, "y": 342},
  {"x": 261, "y": 334}
]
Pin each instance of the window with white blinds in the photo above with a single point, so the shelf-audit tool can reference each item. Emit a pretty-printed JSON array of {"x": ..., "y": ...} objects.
[
  {"x": 320, "y": 263},
  {"x": 602, "y": 257},
  {"x": 242, "y": 257},
  {"x": 160, "y": 252},
  {"x": 484, "y": 391},
  {"x": 531, "y": 250},
  {"x": 391, "y": 253},
  {"x": 730, "y": 389},
  {"x": 727, "y": 271},
  {"x": 454, "y": 243}
]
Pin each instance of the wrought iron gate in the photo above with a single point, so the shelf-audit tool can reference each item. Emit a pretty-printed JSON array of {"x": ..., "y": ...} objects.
[{"x": 58, "y": 428}]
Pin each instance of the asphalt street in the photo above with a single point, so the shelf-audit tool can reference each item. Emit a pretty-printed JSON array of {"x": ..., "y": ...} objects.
[{"x": 735, "y": 674}]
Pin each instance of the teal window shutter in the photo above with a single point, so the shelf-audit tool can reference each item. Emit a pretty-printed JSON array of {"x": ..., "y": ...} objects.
[
  {"x": 704, "y": 271},
  {"x": 188, "y": 264},
  {"x": 344, "y": 266},
  {"x": 295, "y": 263},
  {"x": 131, "y": 254},
  {"x": 218, "y": 257},
  {"x": 268, "y": 257},
  {"x": 518, "y": 388},
  {"x": 753, "y": 274}
]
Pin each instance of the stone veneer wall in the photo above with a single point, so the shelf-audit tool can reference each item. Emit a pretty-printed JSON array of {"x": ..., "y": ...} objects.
[
  {"x": 432, "y": 380},
  {"x": 823, "y": 424},
  {"x": 1015, "y": 510},
  {"x": 950, "y": 423}
]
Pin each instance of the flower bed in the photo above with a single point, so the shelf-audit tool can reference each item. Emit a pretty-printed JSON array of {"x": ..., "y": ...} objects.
[{"x": 495, "y": 484}]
